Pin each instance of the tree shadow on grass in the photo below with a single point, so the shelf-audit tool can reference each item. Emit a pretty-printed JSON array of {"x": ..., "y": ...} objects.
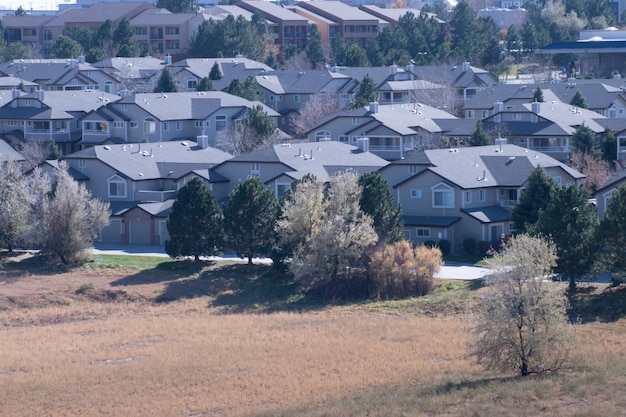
[
  {"x": 242, "y": 288},
  {"x": 587, "y": 305},
  {"x": 16, "y": 265},
  {"x": 165, "y": 271}
]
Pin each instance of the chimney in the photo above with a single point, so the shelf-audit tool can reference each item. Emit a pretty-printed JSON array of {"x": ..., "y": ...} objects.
[
  {"x": 374, "y": 107},
  {"x": 15, "y": 93},
  {"x": 498, "y": 107},
  {"x": 168, "y": 60},
  {"x": 73, "y": 63},
  {"x": 39, "y": 94},
  {"x": 81, "y": 59},
  {"x": 393, "y": 69},
  {"x": 363, "y": 144},
  {"x": 466, "y": 66},
  {"x": 203, "y": 141},
  {"x": 536, "y": 107}
]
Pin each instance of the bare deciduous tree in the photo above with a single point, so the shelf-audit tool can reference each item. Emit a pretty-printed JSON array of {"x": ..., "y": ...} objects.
[
  {"x": 67, "y": 219},
  {"x": 33, "y": 153},
  {"x": 331, "y": 256},
  {"x": 523, "y": 325},
  {"x": 313, "y": 111},
  {"x": 597, "y": 170},
  {"x": 14, "y": 206}
]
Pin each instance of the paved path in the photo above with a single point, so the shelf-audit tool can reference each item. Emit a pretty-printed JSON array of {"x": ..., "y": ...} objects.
[{"x": 450, "y": 270}]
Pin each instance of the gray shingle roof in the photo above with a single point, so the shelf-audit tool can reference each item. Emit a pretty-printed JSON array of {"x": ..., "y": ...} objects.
[
  {"x": 7, "y": 153},
  {"x": 430, "y": 221},
  {"x": 488, "y": 214},
  {"x": 297, "y": 82},
  {"x": 153, "y": 160}
]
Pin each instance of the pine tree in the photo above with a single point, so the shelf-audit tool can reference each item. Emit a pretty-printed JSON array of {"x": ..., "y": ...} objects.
[
  {"x": 314, "y": 49},
  {"x": 195, "y": 223},
  {"x": 479, "y": 136},
  {"x": 166, "y": 83},
  {"x": 215, "y": 73},
  {"x": 571, "y": 222},
  {"x": 376, "y": 201},
  {"x": 205, "y": 84},
  {"x": 584, "y": 140},
  {"x": 53, "y": 152},
  {"x": 250, "y": 219},
  {"x": 534, "y": 198},
  {"x": 613, "y": 230},
  {"x": 538, "y": 95},
  {"x": 366, "y": 93},
  {"x": 579, "y": 100}
]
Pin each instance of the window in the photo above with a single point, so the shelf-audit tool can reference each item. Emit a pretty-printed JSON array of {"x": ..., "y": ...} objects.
[
  {"x": 118, "y": 125},
  {"x": 12, "y": 123},
  {"x": 443, "y": 196},
  {"x": 281, "y": 187},
  {"x": 124, "y": 108},
  {"x": 220, "y": 123},
  {"x": 413, "y": 169},
  {"x": 468, "y": 197},
  {"x": 416, "y": 193},
  {"x": 255, "y": 169},
  {"x": 82, "y": 163},
  {"x": 207, "y": 123},
  {"x": 470, "y": 114},
  {"x": 485, "y": 113},
  {"x": 179, "y": 125},
  {"x": 149, "y": 126},
  {"x": 271, "y": 98},
  {"x": 344, "y": 139},
  {"x": 117, "y": 187},
  {"x": 134, "y": 125},
  {"x": 192, "y": 83},
  {"x": 166, "y": 126},
  {"x": 422, "y": 232},
  {"x": 322, "y": 136},
  {"x": 481, "y": 195},
  {"x": 108, "y": 86},
  {"x": 296, "y": 99},
  {"x": 558, "y": 179},
  {"x": 517, "y": 116},
  {"x": 355, "y": 120},
  {"x": 198, "y": 123}
]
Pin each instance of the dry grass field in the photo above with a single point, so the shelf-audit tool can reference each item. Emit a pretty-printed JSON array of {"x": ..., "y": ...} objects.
[{"x": 158, "y": 338}]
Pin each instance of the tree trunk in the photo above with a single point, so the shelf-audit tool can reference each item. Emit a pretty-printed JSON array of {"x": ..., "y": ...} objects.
[
  {"x": 196, "y": 258},
  {"x": 524, "y": 369},
  {"x": 250, "y": 260}
]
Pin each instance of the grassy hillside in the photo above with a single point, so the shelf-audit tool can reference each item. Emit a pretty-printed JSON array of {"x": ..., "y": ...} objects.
[{"x": 133, "y": 336}]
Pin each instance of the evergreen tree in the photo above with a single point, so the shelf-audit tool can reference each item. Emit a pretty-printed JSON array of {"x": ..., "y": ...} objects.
[
  {"x": 571, "y": 222},
  {"x": 479, "y": 136},
  {"x": 65, "y": 47},
  {"x": 205, "y": 84},
  {"x": 20, "y": 11},
  {"x": 250, "y": 219},
  {"x": 215, "y": 73},
  {"x": 166, "y": 83},
  {"x": 124, "y": 38},
  {"x": 228, "y": 37},
  {"x": 538, "y": 95},
  {"x": 338, "y": 50},
  {"x": 578, "y": 100},
  {"x": 366, "y": 93},
  {"x": 249, "y": 89},
  {"x": 314, "y": 49},
  {"x": 103, "y": 41},
  {"x": 584, "y": 140},
  {"x": 356, "y": 56},
  {"x": 376, "y": 201},
  {"x": 612, "y": 231},
  {"x": 195, "y": 223},
  {"x": 53, "y": 152},
  {"x": 178, "y": 6},
  {"x": 235, "y": 88},
  {"x": 609, "y": 146},
  {"x": 534, "y": 198}
]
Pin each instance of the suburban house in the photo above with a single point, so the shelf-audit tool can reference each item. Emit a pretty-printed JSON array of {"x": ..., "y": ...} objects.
[
  {"x": 8, "y": 154},
  {"x": 279, "y": 165},
  {"x": 14, "y": 83},
  {"x": 543, "y": 127},
  {"x": 389, "y": 131},
  {"x": 603, "y": 194},
  {"x": 46, "y": 116},
  {"x": 287, "y": 91},
  {"x": 393, "y": 14},
  {"x": 188, "y": 72},
  {"x": 138, "y": 75},
  {"x": 61, "y": 74},
  {"x": 466, "y": 193},
  {"x": 160, "y": 117},
  {"x": 140, "y": 181},
  {"x": 605, "y": 97}
]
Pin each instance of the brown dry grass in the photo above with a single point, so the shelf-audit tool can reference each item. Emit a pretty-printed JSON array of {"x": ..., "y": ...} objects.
[{"x": 119, "y": 354}]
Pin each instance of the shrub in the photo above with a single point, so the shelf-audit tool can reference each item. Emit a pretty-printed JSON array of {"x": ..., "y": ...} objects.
[
  {"x": 430, "y": 243},
  {"x": 85, "y": 287},
  {"x": 484, "y": 247},
  {"x": 469, "y": 245},
  {"x": 445, "y": 246},
  {"x": 398, "y": 270}
]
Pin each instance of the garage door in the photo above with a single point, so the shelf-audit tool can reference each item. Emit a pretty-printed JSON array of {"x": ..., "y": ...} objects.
[
  {"x": 113, "y": 232},
  {"x": 140, "y": 233}
]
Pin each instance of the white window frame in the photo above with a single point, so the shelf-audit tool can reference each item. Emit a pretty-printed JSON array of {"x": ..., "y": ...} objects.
[
  {"x": 287, "y": 185},
  {"x": 118, "y": 125},
  {"x": 467, "y": 197},
  {"x": 470, "y": 114},
  {"x": 296, "y": 99},
  {"x": 422, "y": 232},
  {"x": 134, "y": 125},
  {"x": 166, "y": 126},
  {"x": 355, "y": 121},
  {"x": 116, "y": 179},
  {"x": 443, "y": 189},
  {"x": 198, "y": 123},
  {"x": 179, "y": 125},
  {"x": 416, "y": 193},
  {"x": 413, "y": 169},
  {"x": 255, "y": 169},
  {"x": 481, "y": 195},
  {"x": 219, "y": 121},
  {"x": 149, "y": 126},
  {"x": 82, "y": 163}
]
